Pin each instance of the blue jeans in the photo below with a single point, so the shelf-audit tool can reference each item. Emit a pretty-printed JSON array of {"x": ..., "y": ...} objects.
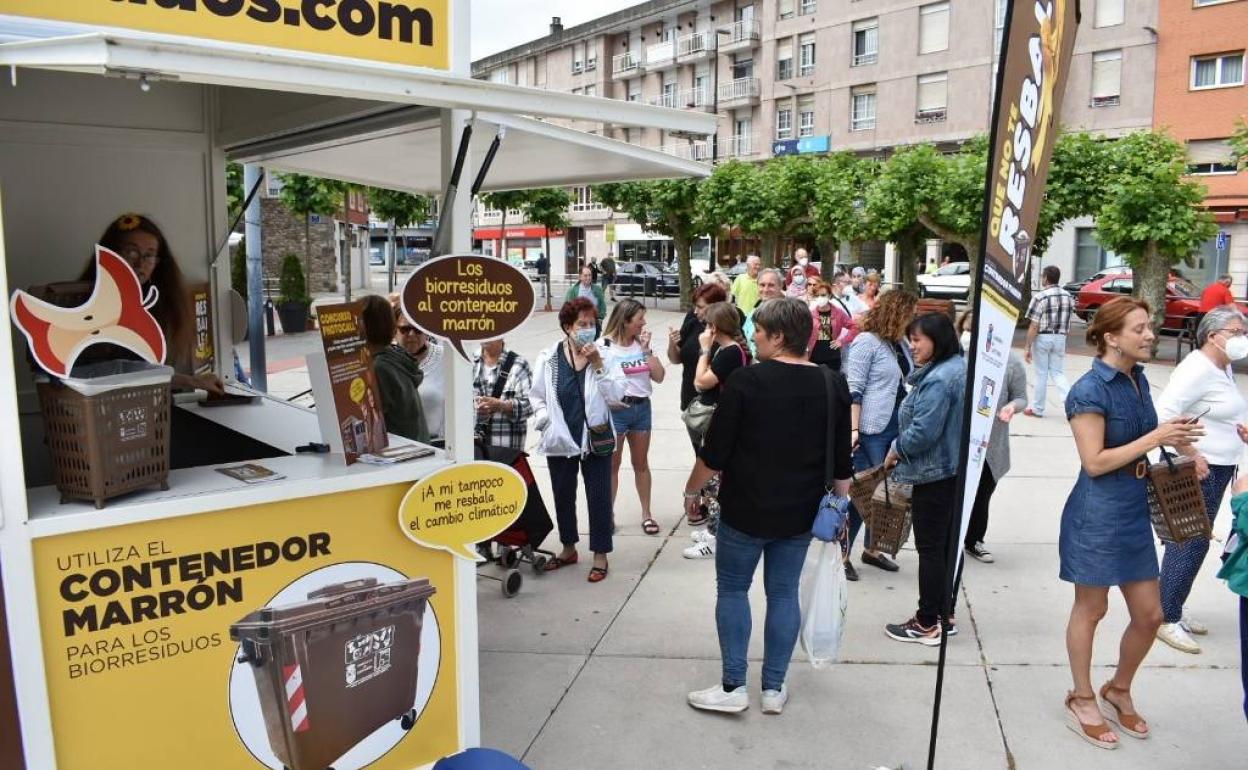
[
  {"x": 872, "y": 449},
  {"x": 736, "y": 558},
  {"x": 1182, "y": 561},
  {"x": 1049, "y": 356}
]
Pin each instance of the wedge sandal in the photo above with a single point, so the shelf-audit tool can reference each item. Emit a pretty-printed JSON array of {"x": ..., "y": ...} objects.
[
  {"x": 1093, "y": 734},
  {"x": 1132, "y": 724}
]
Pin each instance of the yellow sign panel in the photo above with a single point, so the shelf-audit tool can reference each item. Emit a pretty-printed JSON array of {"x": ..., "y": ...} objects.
[
  {"x": 460, "y": 506},
  {"x": 414, "y": 32},
  {"x": 609, "y": 232},
  {"x": 303, "y": 633}
]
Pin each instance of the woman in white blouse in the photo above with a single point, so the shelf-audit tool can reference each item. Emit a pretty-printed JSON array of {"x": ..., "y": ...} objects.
[{"x": 1204, "y": 385}]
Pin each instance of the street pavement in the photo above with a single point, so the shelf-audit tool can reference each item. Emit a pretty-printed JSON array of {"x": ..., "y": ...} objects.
[{"x": 577, "y": 675}]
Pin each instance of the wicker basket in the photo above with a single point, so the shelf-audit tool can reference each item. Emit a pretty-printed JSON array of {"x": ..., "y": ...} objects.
[
  {"x": 890, "y": 516},
  {"x": 1176, "y": 502},
  {"x": 108, "y": 438},
  {"x": 862, "y": 487}
]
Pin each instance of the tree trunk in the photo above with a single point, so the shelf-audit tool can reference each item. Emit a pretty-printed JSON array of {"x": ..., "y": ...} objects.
[
  {"x": 906, "y": 256},
  {"x": 392, "y": 260},
  {"x": 827, "y": 258},
  {"x": 346, "y": 244},
  {"x": 549, "y": 266},
  {"x": 1151, "y": 271},
  {"x": 502, "y": 239},
  {"x": 972, "y": 258},
  {"x": 684, "y": 248},
  {"x": 769, "y": 250},
  {"x": 307, "y": 254}
]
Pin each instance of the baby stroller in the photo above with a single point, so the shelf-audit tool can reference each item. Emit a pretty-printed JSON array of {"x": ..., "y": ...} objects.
[{"x": 521, "y": 542}]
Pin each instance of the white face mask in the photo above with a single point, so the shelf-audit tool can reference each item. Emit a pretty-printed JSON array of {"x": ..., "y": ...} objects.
[
  {"x": 822, "y": 301},
  {"x": 1237, "y": 348},
  {"x": 799, "y": 279},
  {"x": 803, "y": 261},
  {"x": 966, "y": 340}
]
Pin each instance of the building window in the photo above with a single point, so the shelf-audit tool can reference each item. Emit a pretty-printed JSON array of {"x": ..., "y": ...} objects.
[
  {"x": 862, "y": 109},
  {"x": 784, "y": 123},
  {"x": 591, "y": 90},
  {"x": 1218, "y": 71},
  {"x": 743, "y": 68},
  {"x": 1210, "y": 156},
  {"x": 784, "y": 59},
  {"x": 634, "y": 90},
  {"x": 583, "y": 199},
  {"x": 1199, "y": 3},
  {"x": 998, "y": 32},
  {"x": 1108, "y": 13},
  {"x": 787, "y": 8},
  {"x": 932, "y": 103},
  {"x": 807, "y": 43},
  {"x": 1106, "y": 78},
  {"x": 934, "y": 28},
  {"x": 866, "y": 42},
  {"x": 273, "y": 184},
  {"x": 578, "y": 58},
  {"x": 701, "y": 90},
  {"x": 806, "y": 116},
  {"x": 499, "y": 76},
  {"x": 669, "y": 94},
  {"x": 809, "y": 7}
]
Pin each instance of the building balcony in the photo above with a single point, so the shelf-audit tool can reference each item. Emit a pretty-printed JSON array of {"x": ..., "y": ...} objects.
[
  {"x": 695, "y": 47},
  {"x": 660, "y": 56},
  {"x": 743, "y": 146},
  {"x": 741, "y": 36},
  {"x": 739, "y": 93},
  {"x": 699, "y": 151},
  {"x": 625, "y": 65},
  {"x": 686, "y": 99}
]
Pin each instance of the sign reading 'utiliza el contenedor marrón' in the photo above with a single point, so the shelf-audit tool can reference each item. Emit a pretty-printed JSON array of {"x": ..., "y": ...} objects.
[{"x": 398, "y": 31}]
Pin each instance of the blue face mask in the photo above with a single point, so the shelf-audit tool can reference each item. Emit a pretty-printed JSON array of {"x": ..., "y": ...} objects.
[{"x": 584, "y": 336}]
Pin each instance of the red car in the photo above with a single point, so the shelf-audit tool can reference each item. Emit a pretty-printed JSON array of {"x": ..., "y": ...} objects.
[{"x": 1182, "y": 298}]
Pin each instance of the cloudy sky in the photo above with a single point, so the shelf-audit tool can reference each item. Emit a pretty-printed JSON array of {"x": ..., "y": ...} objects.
[{"x": 501, "y": 24}]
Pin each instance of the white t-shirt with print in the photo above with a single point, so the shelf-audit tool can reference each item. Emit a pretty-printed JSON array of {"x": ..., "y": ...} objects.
[{"x": 633, "y": 362}]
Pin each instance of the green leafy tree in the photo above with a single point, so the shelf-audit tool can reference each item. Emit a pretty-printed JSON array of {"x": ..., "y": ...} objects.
[
  {"x": 1153, "y": 214},
  {"x": 1078, "y": 182},
  {"x": 305, "y": 196},
  {"x": 1239, "y": 144},
  {"x": 668, "y": 207},
  {"x": 238, "y": 269},
  {"x": 953, "y": 199},
  {"x": 894, "y": 199},
  {"x": 291, "y": 283},
  {"x": 839, "y": 210},
  {"x": 504, "y": 201},
  {"x": 731, "y": 196},
  {"x": 234, "y": 192},
  {"x": 548, "y": 207},
  {"x": 787, "y": 186},
  {"x": 399, "y": 209}
]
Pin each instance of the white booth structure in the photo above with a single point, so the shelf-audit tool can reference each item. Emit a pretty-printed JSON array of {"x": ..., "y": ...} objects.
[{"x": 118, "y": 620}]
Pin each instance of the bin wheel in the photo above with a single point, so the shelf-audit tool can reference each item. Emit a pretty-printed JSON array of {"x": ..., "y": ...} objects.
[
  {"x": 408, "y": 720},
  {"x": 539, "y": 564},
  {"x": 510, "y": 558},
  {"x": 512, "y": 582}
]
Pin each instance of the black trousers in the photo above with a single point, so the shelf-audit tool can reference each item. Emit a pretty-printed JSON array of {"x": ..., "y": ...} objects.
[
  {"x": 978, "y": 528},
  {"x": 931, "y": 510}
]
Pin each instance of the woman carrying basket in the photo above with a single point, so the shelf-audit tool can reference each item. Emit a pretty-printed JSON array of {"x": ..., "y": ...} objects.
[{"x": 1106, "y": 538}]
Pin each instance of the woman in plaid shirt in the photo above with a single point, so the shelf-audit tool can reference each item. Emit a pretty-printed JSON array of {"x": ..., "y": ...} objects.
[{"x": 501, "y": 380}]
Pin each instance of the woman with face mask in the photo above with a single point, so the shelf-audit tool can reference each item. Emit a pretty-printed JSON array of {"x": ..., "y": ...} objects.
[
  {"x": 1203, "y": 384},
  {"x": 570, "y": 396},
  {"x": 834, "y": 327},
  {"x": 799, "y": 283}
]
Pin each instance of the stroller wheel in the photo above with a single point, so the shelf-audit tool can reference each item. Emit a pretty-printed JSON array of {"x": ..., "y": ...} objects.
[
  {"x": 512, "y": 582},
  {"x": 509, "y": 558},
  {"x": 539, "y": 564}
]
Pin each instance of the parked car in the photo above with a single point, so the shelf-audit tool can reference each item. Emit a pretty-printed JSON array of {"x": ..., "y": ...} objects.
[
  {"x": 648, "y": 279},
  {"x": 1182, "y": 298},
  {"x": 953, "y": 281},
  {"x": 1074, "y": 287}
]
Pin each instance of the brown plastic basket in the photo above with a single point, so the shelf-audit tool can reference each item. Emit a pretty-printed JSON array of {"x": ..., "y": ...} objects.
[
  {"x": 108, "y": 443},
  {"x": 862, "y": 487},
  {"x": 1176, "y": 502},
  {"x": 890, "y": 516}
]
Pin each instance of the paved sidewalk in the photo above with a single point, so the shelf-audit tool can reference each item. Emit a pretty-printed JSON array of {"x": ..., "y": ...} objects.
[{"x": 576, "y": 676}]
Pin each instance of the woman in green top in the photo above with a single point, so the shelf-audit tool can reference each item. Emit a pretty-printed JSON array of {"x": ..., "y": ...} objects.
[
  {"x": 398, "y": 374},
  {"x": 591, "y": 291},
  {"x": 1235, "y": 572}
]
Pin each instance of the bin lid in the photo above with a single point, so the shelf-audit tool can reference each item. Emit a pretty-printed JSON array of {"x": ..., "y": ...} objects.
[{"x": 333, "y": 603}]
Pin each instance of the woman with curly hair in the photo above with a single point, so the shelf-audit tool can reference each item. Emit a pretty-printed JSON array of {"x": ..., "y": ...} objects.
[{"x": 876, "y": 367}]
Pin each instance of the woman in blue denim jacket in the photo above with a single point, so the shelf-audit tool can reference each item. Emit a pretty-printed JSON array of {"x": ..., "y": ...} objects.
[{"x": 926, "y": 455}]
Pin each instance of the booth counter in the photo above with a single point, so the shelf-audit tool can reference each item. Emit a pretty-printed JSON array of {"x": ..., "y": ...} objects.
[{"x": 119, "y": 620}]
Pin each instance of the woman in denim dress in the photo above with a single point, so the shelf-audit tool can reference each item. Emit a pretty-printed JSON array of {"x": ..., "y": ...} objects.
[{"x": 1106, "y": 537}]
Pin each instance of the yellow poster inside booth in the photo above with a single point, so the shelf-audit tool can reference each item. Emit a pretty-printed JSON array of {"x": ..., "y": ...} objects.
[
  {"x": 413, "y": 32},
  {"x": 142, "y": 670}
]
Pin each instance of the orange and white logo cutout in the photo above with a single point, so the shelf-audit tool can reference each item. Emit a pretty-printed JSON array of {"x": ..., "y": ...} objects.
[{"x": 117, "y": 312}]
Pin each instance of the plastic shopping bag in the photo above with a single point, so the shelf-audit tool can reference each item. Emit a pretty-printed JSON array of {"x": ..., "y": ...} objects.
[{"x": 825, "y": 599}]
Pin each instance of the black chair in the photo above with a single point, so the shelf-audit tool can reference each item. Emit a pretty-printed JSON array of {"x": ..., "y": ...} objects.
[{"x": 1187, "y": 336}]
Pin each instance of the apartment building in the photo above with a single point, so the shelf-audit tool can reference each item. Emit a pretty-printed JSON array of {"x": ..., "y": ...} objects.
[
  {"x": 792, "y": 77},
  {"x": 1200, "y": 95}
]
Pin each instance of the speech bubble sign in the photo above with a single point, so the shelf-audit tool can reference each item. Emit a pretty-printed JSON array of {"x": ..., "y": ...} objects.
[
  {"x": 455, "y": 508},
  {"x": 467, "y": 298}
]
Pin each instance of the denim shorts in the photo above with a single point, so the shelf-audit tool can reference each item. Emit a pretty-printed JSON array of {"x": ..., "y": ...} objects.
[{"x": 632, "y": 418}]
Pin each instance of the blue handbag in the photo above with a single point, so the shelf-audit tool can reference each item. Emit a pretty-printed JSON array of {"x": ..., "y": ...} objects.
[{"x": 833, "y": 514}]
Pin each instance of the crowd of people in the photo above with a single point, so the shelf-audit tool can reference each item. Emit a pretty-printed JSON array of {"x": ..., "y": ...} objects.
[{"x": 873, "y": 382}]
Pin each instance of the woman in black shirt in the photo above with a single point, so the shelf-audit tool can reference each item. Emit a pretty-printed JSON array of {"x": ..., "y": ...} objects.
[
  {"x": 773, "y": 479},
  {"x": 682, "y": 343}
]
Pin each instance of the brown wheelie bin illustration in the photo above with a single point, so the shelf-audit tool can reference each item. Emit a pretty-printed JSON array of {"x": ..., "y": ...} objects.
[{"x": 333, "y": 669}]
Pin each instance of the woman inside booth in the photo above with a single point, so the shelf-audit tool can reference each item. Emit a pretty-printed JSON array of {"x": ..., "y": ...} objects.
[{"x": 140, "y": 242}]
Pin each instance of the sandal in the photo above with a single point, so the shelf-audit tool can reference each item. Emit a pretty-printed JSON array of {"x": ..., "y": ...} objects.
[
  {"x": 597, "y": 574},
  {"x": 702, "y": 517},
  {"x": 560, "y": 561},
  {"x": 650, "y": 526},
  {"x": 1132, "y": 724},
  {"x": 1093, "y": 734}
]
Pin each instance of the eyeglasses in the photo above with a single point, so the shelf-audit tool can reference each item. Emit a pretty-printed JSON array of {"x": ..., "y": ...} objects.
[
  {"x": 1234, "y": 332},
  {"x": 134, "y": 256},
  {"x": 408, "y": 329}
]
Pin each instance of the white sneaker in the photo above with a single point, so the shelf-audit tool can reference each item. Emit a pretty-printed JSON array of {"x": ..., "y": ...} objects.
[
  {"x": 774, "y": 700},
  {"x": 702, "y": 550},
  {"x": 715, "y": 699},
  {"x": 1192, "y": 625},
  {"x": 1174, "y": 635},
  {"x": 699, "y": 536}
]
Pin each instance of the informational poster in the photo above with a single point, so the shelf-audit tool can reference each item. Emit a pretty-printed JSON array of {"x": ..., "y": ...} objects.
[
  {"x": 356, "y": 397},
  {"x": 467, "y": 298},
  {"x": 289, "y": 634},
  {"x": 204, "y": 356}
]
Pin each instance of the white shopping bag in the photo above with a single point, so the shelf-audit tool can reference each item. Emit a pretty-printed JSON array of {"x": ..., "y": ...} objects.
[{"x": 825, "y": 599}]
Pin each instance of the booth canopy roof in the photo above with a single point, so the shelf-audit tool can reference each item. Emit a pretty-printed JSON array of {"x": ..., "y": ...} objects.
[{"x": 400, "y": 149}]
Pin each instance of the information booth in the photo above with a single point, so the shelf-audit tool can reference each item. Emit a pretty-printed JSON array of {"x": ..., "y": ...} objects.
[{"x": 216, "y": 623}]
